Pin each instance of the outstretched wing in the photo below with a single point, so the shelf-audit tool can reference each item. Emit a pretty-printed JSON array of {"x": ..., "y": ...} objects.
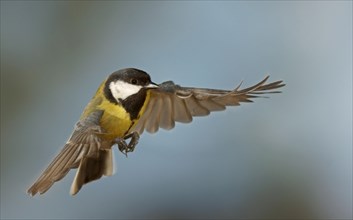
[
  {"x": 82, "y": 148},
  {"x": 170, "y": 103}
]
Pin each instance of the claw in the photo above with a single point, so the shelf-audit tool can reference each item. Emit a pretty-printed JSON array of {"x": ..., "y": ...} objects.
[{"x": 124, "y": 147}]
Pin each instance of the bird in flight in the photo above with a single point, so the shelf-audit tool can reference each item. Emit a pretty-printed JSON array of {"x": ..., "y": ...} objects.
[{"x": 126, "y": 104}]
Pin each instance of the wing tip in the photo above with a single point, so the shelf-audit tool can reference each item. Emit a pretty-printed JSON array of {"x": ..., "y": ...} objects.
[
  {"x": 31, "y": 191},
  {"x": 40, "y": 188}
]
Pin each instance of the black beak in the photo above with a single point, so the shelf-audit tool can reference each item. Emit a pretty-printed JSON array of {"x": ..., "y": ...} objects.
[{"x": 152, "y": 85}]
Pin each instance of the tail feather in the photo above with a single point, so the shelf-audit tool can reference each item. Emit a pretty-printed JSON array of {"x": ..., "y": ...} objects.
[{"x": 91, "y": 169}]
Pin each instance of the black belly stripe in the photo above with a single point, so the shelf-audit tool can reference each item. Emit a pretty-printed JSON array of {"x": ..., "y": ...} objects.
[
  {"x": 134, "y": 103},
  {"x": 128, "y": 130}
]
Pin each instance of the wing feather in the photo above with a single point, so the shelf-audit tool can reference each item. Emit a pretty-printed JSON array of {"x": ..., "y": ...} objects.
[
  {"x": 166, "y": 115},
  {"x": 170, "y": 103},
  {"x": 152, "y": 123},
  {"x": 212, "y": 105},
  {"x": 180, "y": 110},
  {"x": 195, "y": 108},
  {"x": 84, "y": 143}
]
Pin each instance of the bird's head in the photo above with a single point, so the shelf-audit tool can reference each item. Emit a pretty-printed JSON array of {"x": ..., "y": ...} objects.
[{"x": 126, "y": 83}]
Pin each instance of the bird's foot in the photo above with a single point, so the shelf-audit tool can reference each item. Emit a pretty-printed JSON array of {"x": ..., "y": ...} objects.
[{"x": 126, "y": 148}]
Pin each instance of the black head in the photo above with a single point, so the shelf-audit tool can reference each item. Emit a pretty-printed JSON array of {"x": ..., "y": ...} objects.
[
  {"x": 130, "y": 75},
  {"x": 126, "y": 82},
  {"x": 128, "y": 87}
]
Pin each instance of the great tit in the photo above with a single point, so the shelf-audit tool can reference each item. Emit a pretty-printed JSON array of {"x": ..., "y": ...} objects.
[{"x": 126, "y": 104}]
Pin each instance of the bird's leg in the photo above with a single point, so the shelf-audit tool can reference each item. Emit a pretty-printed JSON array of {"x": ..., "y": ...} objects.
[
  {"x": 133, "y": 142},
  {"x": 123, "y": 146}
]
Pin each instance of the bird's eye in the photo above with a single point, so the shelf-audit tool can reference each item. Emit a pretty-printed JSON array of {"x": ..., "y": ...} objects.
[{"x": 134, "y": 81}]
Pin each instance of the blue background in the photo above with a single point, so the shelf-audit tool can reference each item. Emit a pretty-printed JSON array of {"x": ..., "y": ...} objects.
[{"x": 289, "y": 156}]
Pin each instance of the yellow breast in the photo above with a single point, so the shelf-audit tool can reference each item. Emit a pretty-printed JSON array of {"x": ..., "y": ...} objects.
[{"x": 115, "y": 120}]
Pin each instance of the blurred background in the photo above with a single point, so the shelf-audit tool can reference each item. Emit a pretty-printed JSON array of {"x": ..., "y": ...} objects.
[{"x": 289, "y": 156}]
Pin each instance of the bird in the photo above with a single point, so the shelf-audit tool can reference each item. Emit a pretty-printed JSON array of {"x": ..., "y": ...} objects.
[{"x": 126, "y": 104}]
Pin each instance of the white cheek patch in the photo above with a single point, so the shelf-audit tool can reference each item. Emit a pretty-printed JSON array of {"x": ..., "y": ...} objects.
[{"x": 122, "y": 90}]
